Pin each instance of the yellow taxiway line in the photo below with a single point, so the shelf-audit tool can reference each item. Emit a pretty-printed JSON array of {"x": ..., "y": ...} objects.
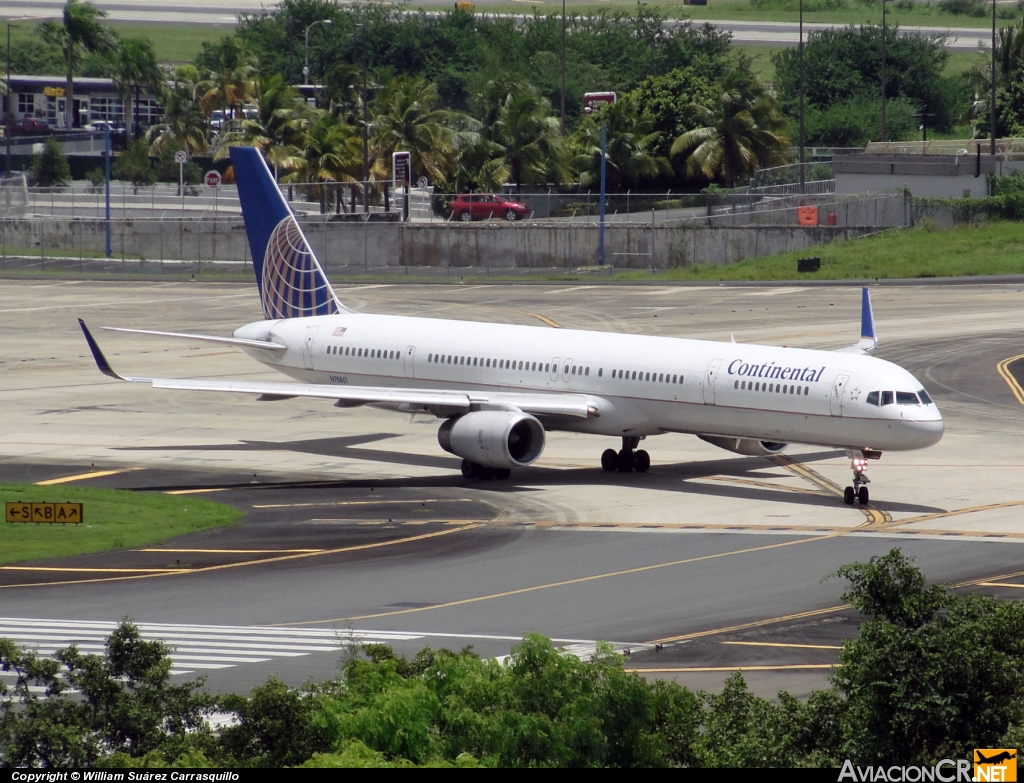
[
  {"x": 1003, "y": 368},
  {"x": 1000, "y": 584},
  {"x": 223, "y": 566},
  {"x": 94, "y": 570},
  {"x": 83, "y": 476},
  {"x": 229, "y": 551},
  {"x": 194, "y": 491},
  {"x": 874, "y": 517},
  {"x": 543, "y": 319},
  {"x": 363, "y": 503}
]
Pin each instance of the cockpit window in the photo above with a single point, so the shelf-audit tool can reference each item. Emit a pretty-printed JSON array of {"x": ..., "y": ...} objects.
[
  {"x": 906, "y": 398},
  {"x": 872, "y": 398},
  {"x": 925, "y": 399},
  {"x": 886, "y": 398}
]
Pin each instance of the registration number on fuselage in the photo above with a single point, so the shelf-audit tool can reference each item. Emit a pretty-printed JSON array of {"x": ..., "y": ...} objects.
[{"x": 342, "y": 379}]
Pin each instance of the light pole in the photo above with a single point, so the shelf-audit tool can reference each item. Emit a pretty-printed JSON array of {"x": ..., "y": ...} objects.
[
  {"x": 366, "y": 132},
  {"x": 884, "y": 56},
  {"x": 9, "y": 114},
  {"x": 563, "y": 65},
  {"x": 803, "y": 173},
  {"x": 305, "y": 68},
  {"x": 991, "y": 120}
]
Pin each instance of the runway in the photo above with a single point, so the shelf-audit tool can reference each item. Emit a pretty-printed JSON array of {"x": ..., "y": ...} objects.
[{"x": 359, "y": 529}]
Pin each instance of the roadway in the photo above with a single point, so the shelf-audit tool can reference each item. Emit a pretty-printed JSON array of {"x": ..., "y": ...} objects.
[
  {"x": 358, "y": 528},
  {"x": 225, "y": 12}
]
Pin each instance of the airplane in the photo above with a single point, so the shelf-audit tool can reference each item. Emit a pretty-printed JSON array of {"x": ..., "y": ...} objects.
[
  {"x": 499, "y": 388},
  {"x": 996, "y": 759}
]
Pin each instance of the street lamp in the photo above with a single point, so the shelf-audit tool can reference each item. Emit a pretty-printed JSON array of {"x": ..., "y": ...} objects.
[
  {"x": 884, "y": 56},
  {"x": 563, "y": 65},
  {"x": 366, "y": 129},
  {"x": 992, "y": 118},
  {"x": 305, "y": 69}
]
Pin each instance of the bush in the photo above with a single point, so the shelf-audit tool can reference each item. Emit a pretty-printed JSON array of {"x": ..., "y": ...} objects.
[
  {"x": 51, "y": 169},
  {"x": 976, "y": 8},
  {"x": 135, "y": 165}
]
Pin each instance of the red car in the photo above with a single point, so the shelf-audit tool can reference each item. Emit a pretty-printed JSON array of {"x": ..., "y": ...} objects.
[
  {"x": 481, "y": 206},
  {"x": 30, "y": 126}
]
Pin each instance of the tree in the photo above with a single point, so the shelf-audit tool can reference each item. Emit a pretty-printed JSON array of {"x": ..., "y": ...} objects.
[
  {"x": 79, "y": 30},
  {"x": 124, "y": 704},
  {"x": 232, "y": 84},
  {"x": 630, "y": 160},
  {"x": 330, "y": 152},
  {"x": 135, "y": 165},
  {"x": 670, "y": 102},
  {"x": 132, "y": 64},
  {"x": 529, "y": 139},
  {"x": 51, "y": 169},
  {"x": 743, "y": 133},
  {"x": 185, "y": 125},
  {"x": 931, "y": 674},
  {"x": 406, "y": 118}
]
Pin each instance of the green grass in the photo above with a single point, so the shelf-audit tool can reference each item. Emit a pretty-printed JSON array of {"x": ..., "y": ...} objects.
[
  {"x": 113, "y": 519},
  {"x": 988, "y": 249},
  {"x": 926, "y": 14},
  {"x": 173, "y": 43}
]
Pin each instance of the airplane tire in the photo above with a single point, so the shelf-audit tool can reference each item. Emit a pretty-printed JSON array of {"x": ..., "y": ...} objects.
[
  {"x": 863, "y": 496},
  {"x": 848, "y": 496},
  {"x": 502, "y": 473},
  {"x": 609, "y": 460},
  {"x": 624, "y": 460},
  {"x": 469, "y": 469},
  {"x": 641, "y": 461},
  {"x": 484, "y": 473}
]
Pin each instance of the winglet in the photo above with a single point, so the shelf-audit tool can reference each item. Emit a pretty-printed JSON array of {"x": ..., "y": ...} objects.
[
  {"x": 868, "y": 337},
  {"x": 97, "y": 354}
]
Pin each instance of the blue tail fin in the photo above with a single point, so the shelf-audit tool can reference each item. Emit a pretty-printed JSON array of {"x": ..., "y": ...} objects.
[{"x": 291, "y": 282}]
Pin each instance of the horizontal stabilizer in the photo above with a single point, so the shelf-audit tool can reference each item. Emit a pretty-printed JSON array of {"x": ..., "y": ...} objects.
[{"x": 261, "y": 344}]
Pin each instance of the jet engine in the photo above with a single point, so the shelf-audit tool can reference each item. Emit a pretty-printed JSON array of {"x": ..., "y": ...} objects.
[
  {"x": 746, "y": 446},
  {"x": 495, "y": 439}
]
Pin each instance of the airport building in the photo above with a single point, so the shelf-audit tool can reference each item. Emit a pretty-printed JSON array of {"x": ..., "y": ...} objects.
[{"x": 43, "y": 98}]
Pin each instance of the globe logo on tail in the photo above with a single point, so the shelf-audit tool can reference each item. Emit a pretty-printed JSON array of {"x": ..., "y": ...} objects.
[{"x": 293, "y": 285}]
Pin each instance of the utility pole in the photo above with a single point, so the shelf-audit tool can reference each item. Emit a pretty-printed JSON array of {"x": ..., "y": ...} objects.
[
  {"x": 884, "y": 56},
  {"x": 563, "y": 64},
  {"x": 992, "y": 118},
  {"x": 10, "y": 95},
  {"x": 803, "y": 172},
  {"x": 305, "y": 69},
  {"x": 600, "y": 236},
  {"x": 366, "y": 136}
]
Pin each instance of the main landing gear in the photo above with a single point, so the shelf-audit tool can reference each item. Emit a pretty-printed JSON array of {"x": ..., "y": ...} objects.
[
  {"x": 627, "y": 459},
  {"x": 859, "y": 490},
  {"x": 471, "y": 470}
]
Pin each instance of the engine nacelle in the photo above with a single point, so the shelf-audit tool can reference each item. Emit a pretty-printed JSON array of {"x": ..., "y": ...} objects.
[
  {"x": 746, "y": 446},
  {"x": 497, "y": 439}
]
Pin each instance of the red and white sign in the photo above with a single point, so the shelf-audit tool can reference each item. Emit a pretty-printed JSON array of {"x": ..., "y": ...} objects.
[
  {"x": 212, "y": 179},
  {"x": 593, "y": 100}
]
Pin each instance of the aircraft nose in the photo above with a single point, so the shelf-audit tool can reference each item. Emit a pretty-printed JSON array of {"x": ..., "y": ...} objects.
[{"x": 927, "y": 432}]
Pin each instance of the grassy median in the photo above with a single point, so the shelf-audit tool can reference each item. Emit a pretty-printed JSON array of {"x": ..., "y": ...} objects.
[
  {"x": 113, "y": 519},
  {"x": 995, "y": 248}
]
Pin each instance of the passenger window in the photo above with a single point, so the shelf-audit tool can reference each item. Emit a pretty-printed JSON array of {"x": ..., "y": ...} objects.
[
  {"x": 600, "y": 371},
  {"x": 648, "y": 376},
  {"x": 520, "y": 365},
  {"x": 547, "y": 368},
  {"x": 574, "y": 370},
  {"x": 587, "y": 373},
  {"x": 872, "y": 398},
  {"x": 925, "y": 399},
  {"x": 743, "y": 386},
  {"x": 906, "y": 398},
  {"x": 736, "y": 384},
  {"x": 887, "y": 398},
  {"x": 566, "y": 370},
  {"x": 634, "y": 375},
  {"x": 807, "y": 390}
]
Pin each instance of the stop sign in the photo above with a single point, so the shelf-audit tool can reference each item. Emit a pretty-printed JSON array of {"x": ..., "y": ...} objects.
[{"x": 212, "y": 179}]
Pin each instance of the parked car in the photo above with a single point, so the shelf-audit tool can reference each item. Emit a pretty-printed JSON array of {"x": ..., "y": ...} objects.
[
  {"x": 30, "y": 126},
  {"x": 480, "y": 206},
  {"x": 102, "y": 126}
]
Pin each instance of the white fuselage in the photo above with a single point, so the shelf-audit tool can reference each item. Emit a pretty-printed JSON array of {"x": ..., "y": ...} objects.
[{"x": 640, "y": 385}]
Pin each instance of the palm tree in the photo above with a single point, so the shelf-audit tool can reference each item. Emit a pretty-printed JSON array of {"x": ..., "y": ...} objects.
[
  {"x": 405, "y": 119},
  {"x": 330, "y": 151},
  {"x": 233, "y": 85},
  {"x": 629, "y": 159},
  {"x": 79, "y": 30},
  {"x": 279, "y": 127},
  {"x": 185, "y": 124},
  {"x": 530, "y": 140},
  {"x": 131, "y": 64},
  {"x": 743, "y": 133}
]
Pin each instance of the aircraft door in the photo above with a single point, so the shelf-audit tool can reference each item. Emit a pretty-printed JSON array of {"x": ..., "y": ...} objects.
[
  {"x": 710, "y": 377},
  {"x": 566, "y": 366},
  {"x": 555, "y": 364},
  {"x": 407, "y": 361},
  {"x": 307, "y": 347},
  {"x": 838, "y": 390}
]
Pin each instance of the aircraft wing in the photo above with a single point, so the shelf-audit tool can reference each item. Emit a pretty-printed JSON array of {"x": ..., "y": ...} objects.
[
  {"x": 437, "y": 401},
  {"x": 868, "y": 336}
]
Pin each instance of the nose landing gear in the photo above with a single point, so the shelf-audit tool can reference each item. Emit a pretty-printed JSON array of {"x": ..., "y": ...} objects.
[
  {"x": 859, "y": 490},
  {"x": 627, "y": 459}
]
